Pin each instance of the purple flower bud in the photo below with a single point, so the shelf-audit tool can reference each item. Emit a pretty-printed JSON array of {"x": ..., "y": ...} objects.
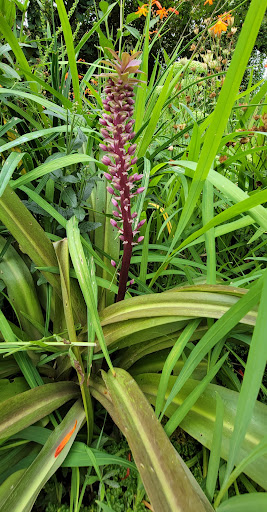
[
  {"x": 115, "y": 213},
  {"x": 134, "y": 160},
  {"x": 140, "y": 239},
  {"x": 141, "y": 223},
  {"x": 140, "y": 190},
  {"x": 131, "y": 149},
  {"x": 134, "y": 215},
  {"x": 136, "y": 177},
  {"x": 113, "y": 263},
  {"x": 104, "y": 132},
  {"x": 108, "y": 117},
  {"x": 131, "y": 282},
  {"x": 114, "y": 202},
  {"x": 103, "y": 147},
  {"x": 106, "y": 160},
  {"x": 108, "y": 176},
  {"x": 113, "y": 223},
  {"x": 110, "y": 190},
  {"x": 103, "y": 122}
]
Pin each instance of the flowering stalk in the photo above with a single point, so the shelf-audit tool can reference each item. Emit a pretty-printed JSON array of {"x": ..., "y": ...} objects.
[{"x": 118, "y": 132}]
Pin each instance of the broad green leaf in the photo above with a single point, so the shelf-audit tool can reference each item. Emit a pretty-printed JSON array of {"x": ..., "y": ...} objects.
[
  {"x": 179, "y": 414},
  {"x": 21, "y": 289},
  {"x": 8, "y": 70},
  {"x": 201, "y": 419},
  {"x": 215, "y": 333},
  {"x": 23, "y": 494},
  {"x": 83, "y": 275},
  {"x": 10, "y": 388},
  {"x": 62, "y": 253},
  {"x": 26, "y": 408},
  {"x": 78, "y": 455},
  {"x": 259, "y": 451},
  {"x": 245, "y": 503},
  {"x": 8, "y": 11},
  {"x": 34, "y": 242},
  {"x": 168, "y": 481},
  {"x": 180, "y": 302},
  {"x": 215, "y": 450}
]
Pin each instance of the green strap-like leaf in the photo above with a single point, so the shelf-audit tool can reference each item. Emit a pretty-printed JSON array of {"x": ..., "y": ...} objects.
[
  {"x": 168, "y": 482},
  {"x": 26, "y": 408},
  {"x": 21, "y": 496}
]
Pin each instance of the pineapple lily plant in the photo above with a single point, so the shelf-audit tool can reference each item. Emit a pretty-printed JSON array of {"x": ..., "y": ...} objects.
[{"x": 118, "y": 133}]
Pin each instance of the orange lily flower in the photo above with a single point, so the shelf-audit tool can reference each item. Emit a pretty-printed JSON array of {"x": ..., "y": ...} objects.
[
  {"x": 142, "y": 11},
  {"x": 162, "y": 13},
  {"x": 219, "y": 27},
  {"x": 226, "y": 16},
  {"x": 173, "y": 10},
  {"x": 155, "y": 2}
]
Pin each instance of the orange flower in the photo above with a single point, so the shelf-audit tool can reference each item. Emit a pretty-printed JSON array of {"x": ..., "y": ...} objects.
[
  {"x": 66, "y": 76},
  {"x": 173, "y": 10},
  {"x": 80, "y": 77},
  {"x": 162, "y": 13},
  {"x": 210, "y": 2},
  {"x": 225, "y": 16},
  {"x": 142, "y": 11},
  {"x": 155, "y": 2},
  {"x": 219, "y": 27},
  {"x": 154, "y": 32}
]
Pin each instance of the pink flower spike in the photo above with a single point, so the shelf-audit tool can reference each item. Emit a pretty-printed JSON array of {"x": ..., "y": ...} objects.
[
  {"x": 140, "y": 190},
  {"x": 113, "y": 263},
  {"x": 140, "y": 239}
]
